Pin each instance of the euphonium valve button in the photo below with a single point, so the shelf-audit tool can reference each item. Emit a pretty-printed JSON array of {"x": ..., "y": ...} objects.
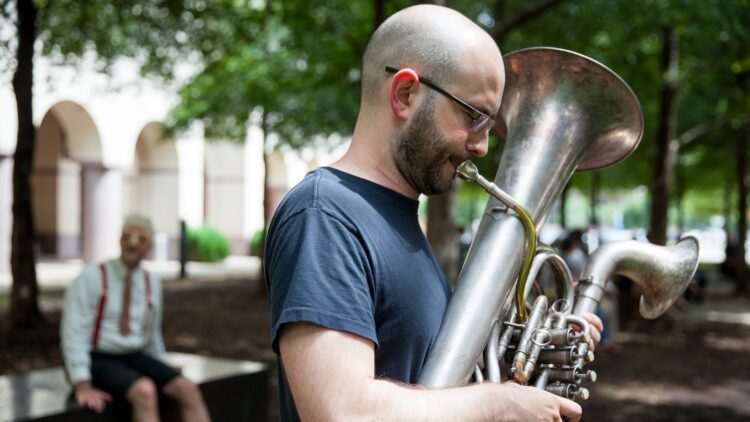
[
  {"x": 588, "y": 376},
  {"x": 583, "y": 393}
]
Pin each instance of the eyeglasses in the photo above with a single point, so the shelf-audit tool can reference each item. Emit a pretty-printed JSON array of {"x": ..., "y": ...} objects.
[
  {"x": 134, "y": 237},
  {"x": 479, "y": 121}
]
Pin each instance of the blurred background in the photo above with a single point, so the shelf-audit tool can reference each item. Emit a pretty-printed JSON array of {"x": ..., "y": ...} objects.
[{"x": 202, "y": 114}]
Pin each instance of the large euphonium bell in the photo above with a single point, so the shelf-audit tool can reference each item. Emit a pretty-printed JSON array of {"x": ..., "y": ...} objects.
[{"x": 562, "y": 111}]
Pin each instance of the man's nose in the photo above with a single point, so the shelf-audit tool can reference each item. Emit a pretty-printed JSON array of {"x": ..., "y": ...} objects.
[
  {"x": 132, "y": 240},
  {"x": 478, "y": 143}
]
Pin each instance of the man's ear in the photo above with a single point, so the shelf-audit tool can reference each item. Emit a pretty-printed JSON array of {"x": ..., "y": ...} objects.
[{"x": 404, "y": 86}]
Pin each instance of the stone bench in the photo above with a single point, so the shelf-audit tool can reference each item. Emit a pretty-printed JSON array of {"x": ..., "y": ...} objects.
[{"x": 234, "y": 390}]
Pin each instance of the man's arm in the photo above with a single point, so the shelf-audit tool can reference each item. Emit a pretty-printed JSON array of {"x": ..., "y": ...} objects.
[
  {"x": 88, "y": 396},
  {"x": 331, "y": 375},
  {"x": 154, "y": 340},
  {"x": 75, "y": 335},
  {"x": 77, "y": 325}
]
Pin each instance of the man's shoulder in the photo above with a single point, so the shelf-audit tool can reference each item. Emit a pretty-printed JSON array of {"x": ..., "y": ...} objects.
[
  {"x": 322, "y": 188},
  {"x": 90, "y": 276}
]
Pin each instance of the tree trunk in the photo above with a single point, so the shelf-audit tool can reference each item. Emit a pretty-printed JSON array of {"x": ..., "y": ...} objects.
[
  {"x": 379, "y": 13},
  {"x": 679, "y": 196},
  {"x": 667, "y": 145},
  {"x": 24, "y": 306},
  {"x": 442, "y": 233},
  {"x": 596, "y": 182},
  {"x": 728, "y": 206},
  {"x": 741, "y": 286},
  {"x": 528, "y": 12}
]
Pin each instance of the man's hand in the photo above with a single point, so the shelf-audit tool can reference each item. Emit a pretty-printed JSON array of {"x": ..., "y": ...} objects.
[
  {"x": 322, "y": 363},
  {"x": 535, "y": 404},
  {"x": 93, "y": 398},
  {"x": 596, "y": 326}
]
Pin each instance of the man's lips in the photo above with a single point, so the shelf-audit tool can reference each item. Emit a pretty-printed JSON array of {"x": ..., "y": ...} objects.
[{"x": 455, "y": 162}]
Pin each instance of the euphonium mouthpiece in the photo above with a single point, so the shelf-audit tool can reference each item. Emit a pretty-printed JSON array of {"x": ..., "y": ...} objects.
[{"x": 468, "y": 171}]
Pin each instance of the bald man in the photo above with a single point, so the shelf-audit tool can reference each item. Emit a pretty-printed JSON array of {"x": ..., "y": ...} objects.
[{"x": 356, "y": 294}]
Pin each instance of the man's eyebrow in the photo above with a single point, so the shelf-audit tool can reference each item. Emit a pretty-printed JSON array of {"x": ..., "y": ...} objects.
[{"x": 482, "y": 109}]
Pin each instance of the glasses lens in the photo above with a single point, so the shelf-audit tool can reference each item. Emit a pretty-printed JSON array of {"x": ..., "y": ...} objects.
[
  {"x": 134, "y": 237},
  {"x": 482, "y": 122}
]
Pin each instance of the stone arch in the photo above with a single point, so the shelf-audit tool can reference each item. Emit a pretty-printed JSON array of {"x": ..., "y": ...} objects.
[
  {"x": 152, "y": 188},
  {"x": 74, "y": 196}
]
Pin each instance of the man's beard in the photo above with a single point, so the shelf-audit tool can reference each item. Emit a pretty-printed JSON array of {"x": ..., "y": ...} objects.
[{"x": 421, "y": 153}]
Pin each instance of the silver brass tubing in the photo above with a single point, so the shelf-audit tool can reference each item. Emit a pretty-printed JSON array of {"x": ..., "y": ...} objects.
[
  {"x": 562, "y": 336},
  {"x": 560, "y": 111},
  {"x": 566, "y": 375},
  {"x": 566, "y": 357},
  {"x": 524, "y": 345},
  {"x": 505, "y": 340},
  {"x": 547, "y": 255},
  {"x": 543, "y": 378},
  {"x": 569, "y": 391},
  {"x": 536, "y": 347},
  {"x": 662, "y": 272},
  {"x": 468, "y": 171},
  {"x": 478, "y": 376},
  {"x": 585, "y": 326},
  {"x": 490, "y": 355}
]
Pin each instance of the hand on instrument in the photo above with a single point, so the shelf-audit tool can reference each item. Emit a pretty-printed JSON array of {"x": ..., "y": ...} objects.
[
  {"x": 597, "y": 326},
  {"x": 88, "y": 396},
  {"x": 535, "y": 404}
]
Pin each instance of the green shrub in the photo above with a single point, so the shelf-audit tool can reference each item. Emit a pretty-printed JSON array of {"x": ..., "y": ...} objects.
[
  {"x": 206, "y": 244},
  {"x": 256, "y": 242}
]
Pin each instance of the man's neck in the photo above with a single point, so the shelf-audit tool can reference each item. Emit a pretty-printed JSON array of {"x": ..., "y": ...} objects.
[
  {"x": 129, "y": 267},
  {"x": 371, "y": 159}
]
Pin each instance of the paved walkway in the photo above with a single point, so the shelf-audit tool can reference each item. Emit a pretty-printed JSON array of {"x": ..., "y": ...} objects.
[
  {"x": 721, "y": 304},
  {"x": 55, "y": 274}
]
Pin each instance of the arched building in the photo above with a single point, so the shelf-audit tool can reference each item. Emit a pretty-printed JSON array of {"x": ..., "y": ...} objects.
[{"x": 100, "y": 155}]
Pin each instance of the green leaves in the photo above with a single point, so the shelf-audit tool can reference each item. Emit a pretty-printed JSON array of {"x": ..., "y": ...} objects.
[{"x": 297, "y": 61}]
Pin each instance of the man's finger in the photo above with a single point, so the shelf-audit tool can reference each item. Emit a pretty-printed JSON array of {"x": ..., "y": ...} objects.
[{"x": 570, "y": 409}]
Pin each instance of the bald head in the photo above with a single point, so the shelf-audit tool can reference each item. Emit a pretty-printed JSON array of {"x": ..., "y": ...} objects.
[{"x": 432, "y": 40}]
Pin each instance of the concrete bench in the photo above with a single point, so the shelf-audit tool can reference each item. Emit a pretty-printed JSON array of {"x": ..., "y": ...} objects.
[{"x": 234, "y": 390}]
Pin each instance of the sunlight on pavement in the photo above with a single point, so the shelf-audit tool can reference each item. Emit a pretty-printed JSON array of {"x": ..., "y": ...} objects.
[
  {"x": 725, "y": 343},
  {"x": 729, "y": 317},
  {"x": 734, "y": 394}
]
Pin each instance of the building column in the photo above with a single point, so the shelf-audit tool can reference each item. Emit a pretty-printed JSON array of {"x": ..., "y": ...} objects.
[
  {"x": 102, "y": 191},
  {"x": 6, "y": 210}
]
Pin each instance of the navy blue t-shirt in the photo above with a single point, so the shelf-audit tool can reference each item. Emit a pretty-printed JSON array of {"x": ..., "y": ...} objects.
[{"x": 348, "y": 254}]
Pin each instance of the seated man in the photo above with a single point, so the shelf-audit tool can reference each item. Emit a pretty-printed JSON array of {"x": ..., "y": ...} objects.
[{"x": 111, "y": 335}]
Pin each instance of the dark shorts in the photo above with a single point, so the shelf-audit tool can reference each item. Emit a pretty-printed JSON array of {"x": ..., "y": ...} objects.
[{"x": 116, "y": 373}]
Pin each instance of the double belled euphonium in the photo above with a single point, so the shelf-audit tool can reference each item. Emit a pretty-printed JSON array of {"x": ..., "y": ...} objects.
[{"x": 560, "y": 112}]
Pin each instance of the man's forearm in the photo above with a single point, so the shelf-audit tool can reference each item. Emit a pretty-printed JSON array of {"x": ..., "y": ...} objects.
[
  {"x": 330, "y": 375},
  {"x": 402, "y": 402}
]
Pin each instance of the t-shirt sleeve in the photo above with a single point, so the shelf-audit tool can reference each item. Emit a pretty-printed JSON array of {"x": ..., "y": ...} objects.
[{"x": 318, "y": 272}]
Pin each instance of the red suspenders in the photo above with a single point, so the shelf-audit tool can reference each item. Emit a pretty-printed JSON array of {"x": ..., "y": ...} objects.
[
  {"x": 103, "y": 302},
  {"x": 100, "y": 308},
  {"x": 147, "y": 319}
]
